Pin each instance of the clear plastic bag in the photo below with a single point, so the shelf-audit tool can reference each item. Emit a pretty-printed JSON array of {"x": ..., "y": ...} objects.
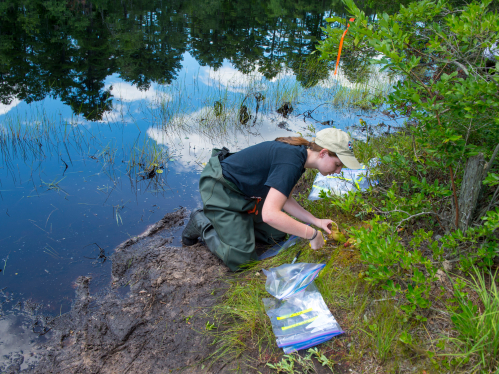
[
  {"x": 286, "y": 280},
  {"x": 348, "y": 180},
  {"x": 302, "y": 320},
  {"x": 309, "y": 343},
  {"x": 279, "y": 247}
]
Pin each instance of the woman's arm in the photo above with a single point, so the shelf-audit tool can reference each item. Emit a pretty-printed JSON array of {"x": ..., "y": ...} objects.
[
  {"x": 292, "y": 207},
  {"x": 272, "y": 214}
]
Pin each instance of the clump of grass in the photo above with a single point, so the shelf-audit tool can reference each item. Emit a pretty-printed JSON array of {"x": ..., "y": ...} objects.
[
  {"x": 341, "y": 286},
  {"x": 54, "y": 186},
  {"x": 382, "y": 330},
  {"x": 344, "y": 94},
  {"x": 284, "y": 90},
  {"x": 243, "y": 324},
  {"x": 147, "y": 160},
  {"x": 478, "y": 328}
]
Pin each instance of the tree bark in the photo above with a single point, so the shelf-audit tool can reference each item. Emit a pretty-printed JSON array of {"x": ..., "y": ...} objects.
[{"x": 470, "y": 189}]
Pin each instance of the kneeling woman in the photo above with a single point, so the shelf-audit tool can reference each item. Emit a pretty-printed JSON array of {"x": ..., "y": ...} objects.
[{"x": 245, "y": 194}]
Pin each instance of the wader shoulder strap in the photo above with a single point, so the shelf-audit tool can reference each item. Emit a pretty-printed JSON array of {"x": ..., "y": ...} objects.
[{"x": 221, "y": 153}]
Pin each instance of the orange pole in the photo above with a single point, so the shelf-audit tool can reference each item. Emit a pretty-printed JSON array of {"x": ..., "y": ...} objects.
[{"x": 341, "y": 45}]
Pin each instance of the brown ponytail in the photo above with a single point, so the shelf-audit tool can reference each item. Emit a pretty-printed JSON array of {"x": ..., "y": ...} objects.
[{"x": 298, "y": 140}]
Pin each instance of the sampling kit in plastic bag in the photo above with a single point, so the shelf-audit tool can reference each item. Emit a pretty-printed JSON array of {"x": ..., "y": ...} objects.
[
  {"x": 347, "y": 180},
  {"x": 300, "y": 318}
]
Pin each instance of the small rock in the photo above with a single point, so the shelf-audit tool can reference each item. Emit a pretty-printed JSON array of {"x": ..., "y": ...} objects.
[
  {"x": 441, "y": 275},
  {"x": 158, "y": 281},
  {"x": 257, "y": 274},
  {"x": 447, "y": 265}
]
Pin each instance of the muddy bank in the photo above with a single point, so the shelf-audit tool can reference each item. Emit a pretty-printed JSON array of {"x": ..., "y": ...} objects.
[{"x": 152, "y": 317}]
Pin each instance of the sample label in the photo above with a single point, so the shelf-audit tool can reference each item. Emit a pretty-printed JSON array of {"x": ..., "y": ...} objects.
[
  {"x": 299, "y": 323},
  {"x": 295, "y": 314}
]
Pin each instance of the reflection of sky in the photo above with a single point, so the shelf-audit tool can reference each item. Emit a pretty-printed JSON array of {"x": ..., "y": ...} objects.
[
  {"x": 195, "y": 146},
  {"x": 124, "y": 91},
  {"x": 235, "y": 81},
  {"x": 16, "y": 337},
  {"x": 4, "y": 109},
  {"x": 228, "y": 77},
  {"x": 379, "y": 80}
]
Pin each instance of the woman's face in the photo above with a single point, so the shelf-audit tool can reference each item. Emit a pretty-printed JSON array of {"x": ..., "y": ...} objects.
[{"x": 329, "y": 165}]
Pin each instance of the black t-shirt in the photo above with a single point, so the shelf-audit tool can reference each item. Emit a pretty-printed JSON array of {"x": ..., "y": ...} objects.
[{"x": 269, "y": 164}]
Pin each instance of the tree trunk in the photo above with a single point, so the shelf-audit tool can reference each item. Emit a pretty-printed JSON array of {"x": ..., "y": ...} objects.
[{"x": 470, "y": 189}]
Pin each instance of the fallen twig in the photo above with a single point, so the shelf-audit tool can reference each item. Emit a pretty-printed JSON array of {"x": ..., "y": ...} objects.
[{"x": 415, "y": 215}]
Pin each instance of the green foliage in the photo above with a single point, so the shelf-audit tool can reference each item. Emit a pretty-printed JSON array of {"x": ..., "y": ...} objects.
[
  {"x": 491, "y": 180},
  {"x": 305, "y": 363},
  {"x": 404, "y": 271},
  {"x": 478, "y": 329},
  {"x": 445, "y": 90},
  {"x": 401, "y": 271},
  {"x": 478, "y": 246},
  {"x": 210, "y": 326},
  {"x": 287, "y": 364},
  {"x": 397, "y": 209},
  {"x": 323, "y": 360},
  {"x": 350, "y": 203},
  {"x": 382, "y": 331},
  {"x": 405, "y": 338}
]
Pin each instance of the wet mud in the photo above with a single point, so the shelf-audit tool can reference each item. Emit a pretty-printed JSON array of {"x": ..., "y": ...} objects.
[{"x": 151, "y": 319}]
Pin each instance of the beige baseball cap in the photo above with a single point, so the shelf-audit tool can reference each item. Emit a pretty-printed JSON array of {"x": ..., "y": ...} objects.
[{"x": 339, "y": 142}]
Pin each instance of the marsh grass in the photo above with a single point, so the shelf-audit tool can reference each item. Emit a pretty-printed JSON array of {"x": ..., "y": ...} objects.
[
  {"x": 243, "y": 324},
  {"x": 219, "y": 112},
  {"x": 54, "y": 186},
  {"x": 342, "y": 94},
  {"x": 382, "y": 330},
  {"x": 37, "y": 136},
  {"x": 146, "y": 159},
  {"x": 284, "y": 90},
  {"x": 477, "y": 327},
  {"x": 52, "y": 252}
]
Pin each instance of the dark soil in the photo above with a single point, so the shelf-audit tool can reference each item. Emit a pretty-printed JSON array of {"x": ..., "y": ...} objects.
[{"x": 151, "y": 319}]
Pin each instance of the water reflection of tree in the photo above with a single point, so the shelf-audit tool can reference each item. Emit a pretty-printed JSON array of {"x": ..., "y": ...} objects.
[
  {"x": 68, "y": 49},
  {"x": 92, "y": 61}
]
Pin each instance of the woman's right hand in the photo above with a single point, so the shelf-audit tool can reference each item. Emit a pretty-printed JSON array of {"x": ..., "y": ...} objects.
[{"x": 318, "y": 241}]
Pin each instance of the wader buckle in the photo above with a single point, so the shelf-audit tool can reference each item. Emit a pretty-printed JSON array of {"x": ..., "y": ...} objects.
[
  {"x": 223, "y": 154},
  {"x": 251, "y": 211}
]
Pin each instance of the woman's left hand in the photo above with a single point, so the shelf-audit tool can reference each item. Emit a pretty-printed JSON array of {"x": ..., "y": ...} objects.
[{"x": 325, "y": 224}]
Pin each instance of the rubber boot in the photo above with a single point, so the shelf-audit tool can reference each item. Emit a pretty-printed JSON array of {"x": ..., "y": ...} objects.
[
  {"x": 195, "y": 227},
  {"x": 212, "y": 241}
]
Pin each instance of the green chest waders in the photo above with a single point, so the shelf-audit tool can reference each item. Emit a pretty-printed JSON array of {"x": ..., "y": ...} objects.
[{"x": 234, "y": 231}]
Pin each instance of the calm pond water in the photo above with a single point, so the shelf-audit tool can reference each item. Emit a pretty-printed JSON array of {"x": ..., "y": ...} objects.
[{"x": 109, "y": 109}]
